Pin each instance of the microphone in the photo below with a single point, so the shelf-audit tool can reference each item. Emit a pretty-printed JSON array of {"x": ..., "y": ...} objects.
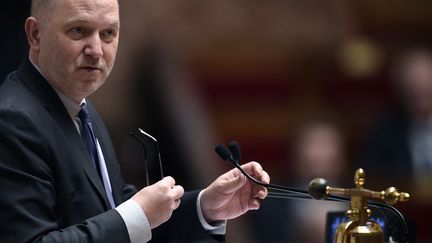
[
  {"x": 234, "y": 148},
  {"x": 281, "y": 191},
  {"x": 224, "y": 153},
  {"x": 317, "y": 187}
]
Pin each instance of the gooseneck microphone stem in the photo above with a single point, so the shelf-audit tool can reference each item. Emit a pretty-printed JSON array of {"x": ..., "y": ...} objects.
[
  {"x": 278, "y": 191},
  {"x": 268, "y": 185},
  {"x": 395, "y": 212},
  {"x": 286, "y": 196}
]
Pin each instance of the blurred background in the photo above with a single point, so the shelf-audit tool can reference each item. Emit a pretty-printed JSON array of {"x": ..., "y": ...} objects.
[{"x": 308, "y": 88}]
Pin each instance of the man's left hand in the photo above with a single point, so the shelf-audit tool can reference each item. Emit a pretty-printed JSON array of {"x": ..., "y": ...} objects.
[{"x": 232, "y": 194}]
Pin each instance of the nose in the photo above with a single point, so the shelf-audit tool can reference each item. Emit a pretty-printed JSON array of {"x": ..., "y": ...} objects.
[{"x": 94, "y": 47}]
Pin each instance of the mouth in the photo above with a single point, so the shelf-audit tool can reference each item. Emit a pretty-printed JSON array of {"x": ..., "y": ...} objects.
[{"x": 91, "y": 69}]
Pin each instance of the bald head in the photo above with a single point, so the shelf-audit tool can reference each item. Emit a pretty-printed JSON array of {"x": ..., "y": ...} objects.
[{"x": 41, "y": 9}]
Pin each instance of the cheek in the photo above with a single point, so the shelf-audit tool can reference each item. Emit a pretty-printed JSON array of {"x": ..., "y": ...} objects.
[
  {"x": 110, "y": 54},
  {"x": 72, "y": 51},
  {"x": 65, "y": 54}
]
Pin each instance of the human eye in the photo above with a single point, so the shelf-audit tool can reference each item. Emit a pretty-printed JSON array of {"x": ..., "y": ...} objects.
[
  {"x": 77, "y": 32},
  {"x": 109, "y": 35}
]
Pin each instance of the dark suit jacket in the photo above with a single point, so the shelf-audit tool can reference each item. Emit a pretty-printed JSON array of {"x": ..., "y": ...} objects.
[{"x": 49, "y": 189}]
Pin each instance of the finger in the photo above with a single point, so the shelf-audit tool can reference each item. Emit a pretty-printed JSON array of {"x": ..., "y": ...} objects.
[
  {"x": 168, "y": 181},
  {"x": 265, "y": 178},
  {"x": 257, "y": 170},
  {"x": 177, "y": 192},
  {"x": 176, "y": 204},
  {"x": 262, "y": 193},
  {"x": 254, "y": 204},
  {"x": 253, "y": 168},
  {"x": 261, "y": 175},
  {"x": 233, "y": 184},
  {"x": 259, "y": 192}
]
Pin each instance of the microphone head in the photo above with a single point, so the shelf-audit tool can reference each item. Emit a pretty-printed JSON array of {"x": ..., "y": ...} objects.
[
  {"x": 223, "y": 152},
  {"x": 317, "y": 188},
  {"x": 234, "y": 147}
]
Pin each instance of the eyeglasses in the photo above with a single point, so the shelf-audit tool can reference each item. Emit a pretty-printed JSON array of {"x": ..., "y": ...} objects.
[{"x": 151, "y": 148}]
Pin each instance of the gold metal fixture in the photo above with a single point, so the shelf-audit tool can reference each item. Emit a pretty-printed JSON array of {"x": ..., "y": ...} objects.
[{"x": 359, "y": 228}]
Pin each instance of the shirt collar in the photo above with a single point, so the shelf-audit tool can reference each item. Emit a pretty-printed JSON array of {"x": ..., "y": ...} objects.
[{"x": 70, "y": 105}]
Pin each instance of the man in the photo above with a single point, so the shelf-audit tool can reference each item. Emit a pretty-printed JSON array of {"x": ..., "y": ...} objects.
[{"x": 59, "y": 178}]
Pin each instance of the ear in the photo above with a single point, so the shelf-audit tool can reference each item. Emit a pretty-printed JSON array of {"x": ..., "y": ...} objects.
[{"x": 33, "y": 33}]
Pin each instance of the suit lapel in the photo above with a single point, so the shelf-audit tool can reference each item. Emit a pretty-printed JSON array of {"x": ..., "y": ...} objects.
[
  {"x": 110, "y": 160},
  {"x": 75, "y": 140},
  {"x": 49, "y": 98}
]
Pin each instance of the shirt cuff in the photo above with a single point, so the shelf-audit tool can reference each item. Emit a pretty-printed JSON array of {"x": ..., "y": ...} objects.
[
  {"x": 217, "y": 227},
  {"x": 137, "y": 224}
]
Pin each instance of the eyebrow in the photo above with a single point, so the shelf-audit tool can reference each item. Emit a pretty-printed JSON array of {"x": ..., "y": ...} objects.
[{"x": 79, "y": 20}]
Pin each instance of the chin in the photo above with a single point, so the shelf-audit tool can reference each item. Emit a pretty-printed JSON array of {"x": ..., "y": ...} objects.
[
  {"x": 89, "y": 87},
  {"x": 93, "y": 80}
]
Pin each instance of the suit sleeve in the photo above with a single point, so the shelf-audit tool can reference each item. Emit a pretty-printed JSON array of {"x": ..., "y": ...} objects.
[
  {"x": 28, "y": 191},
  {"x": 184, "y": 225}
]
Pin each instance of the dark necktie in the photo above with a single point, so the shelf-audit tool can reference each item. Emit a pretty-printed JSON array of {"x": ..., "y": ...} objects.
[{"x": 89, "y": 138}]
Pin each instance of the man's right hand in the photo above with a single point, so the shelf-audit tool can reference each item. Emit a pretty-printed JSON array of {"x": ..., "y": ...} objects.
[{"x": 159, "y": 200}]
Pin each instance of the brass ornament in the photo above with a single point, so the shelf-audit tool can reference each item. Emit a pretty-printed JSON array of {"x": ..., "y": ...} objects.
[{"x": 359, "y": 228}]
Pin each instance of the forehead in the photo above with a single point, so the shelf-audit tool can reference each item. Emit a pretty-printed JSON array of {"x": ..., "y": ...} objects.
[{"x": 86, "y": 11}]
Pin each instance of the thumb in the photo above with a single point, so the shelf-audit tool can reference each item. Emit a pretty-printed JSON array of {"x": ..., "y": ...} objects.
[{"x": 231, "y": 185}]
